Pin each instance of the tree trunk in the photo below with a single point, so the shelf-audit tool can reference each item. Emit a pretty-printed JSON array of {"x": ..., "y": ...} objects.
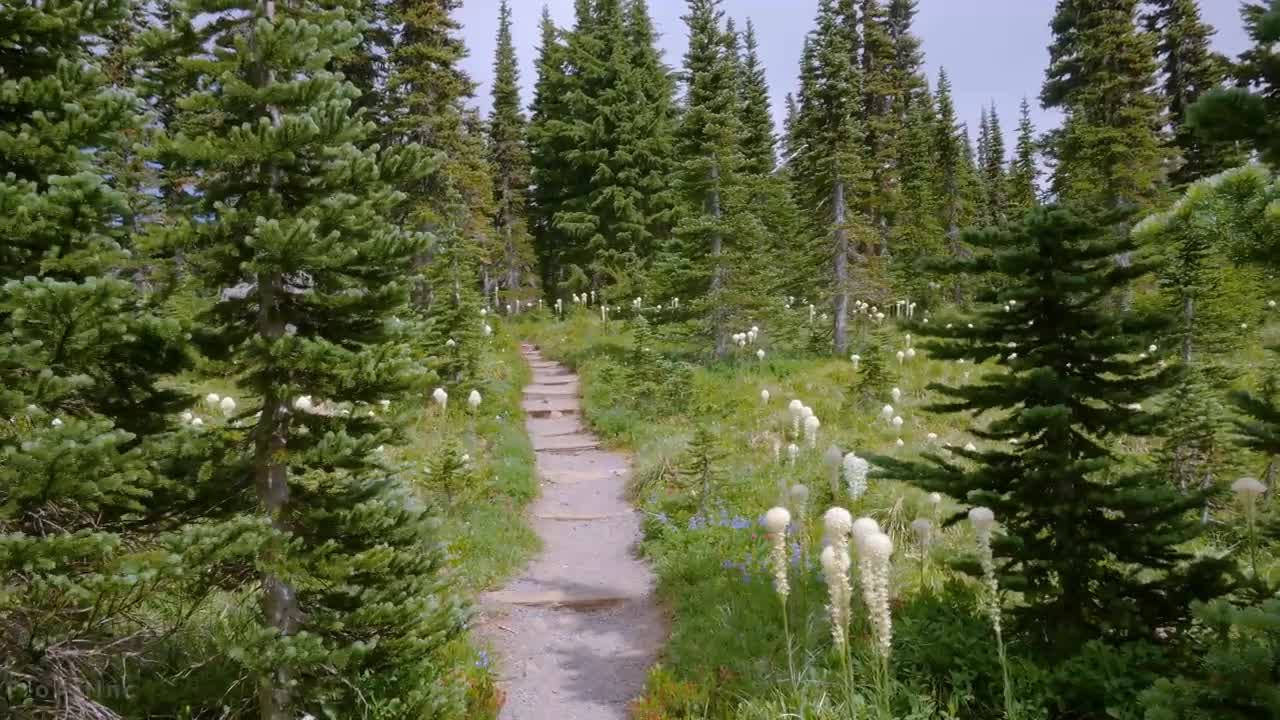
[
  {"x": 271, "y": 437},
  {"x": 840, "y": 330},
  {"x": 718, "y": 314}
]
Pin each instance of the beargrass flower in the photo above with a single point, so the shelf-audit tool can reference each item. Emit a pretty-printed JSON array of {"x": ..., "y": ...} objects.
[
  {"x": 910, "y": 352},
  {"x": 197, "y": 423},
  {"x": 302, "y": 403},
  {"x": 835, "y": 570},
  {"x": 1248, "y": 488},
  {"x": 897, "y": 422},
  {"x": 776, "y": 521},
  {"x": 856, "y": 359},
  {"x": 799, "y": 495},
  {"x": 450, "y": 343},
  {"x": 227, "y": 405},
  {"x": 811, "y": 425},
  {"x": 441, "y": 397},
  {"x": 874, "y": 555},
  {"x": 793, "y": 450},
  {"x": 57, "y": 422},
  {"x": 187, "y": 416},
  {"x": 896, "y": 394},
  {"x": 855, "y": 475},
  {"x": 212, "y": 400},
  {"x": 474, "y": 399},
  {"x": 886, "y": 412},
  {"x": 760, "y": 355},
  {"x": 970, "y": 447},
  {"x": 764, "y": 396},
  {"x": 901, "y": 356},
  {"x": 923, "y": 530}
]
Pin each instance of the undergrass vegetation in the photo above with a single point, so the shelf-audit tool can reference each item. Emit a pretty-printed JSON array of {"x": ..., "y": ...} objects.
[{"x": 711, "y": 455}]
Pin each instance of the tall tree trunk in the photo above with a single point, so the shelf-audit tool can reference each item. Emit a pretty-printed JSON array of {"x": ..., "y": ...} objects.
[
  {"x": 718, "y": 314},
  {"x": 271, "y": 437},
  {"x": 840, "y": 333}
]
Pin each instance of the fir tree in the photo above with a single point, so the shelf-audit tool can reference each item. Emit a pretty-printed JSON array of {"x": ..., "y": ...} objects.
[
  {"x": 83, "y": 355},
  {"x": 653, "y": 122},
  {"x": 918, "y": 235},
  {"x": 288, "y": 231},
  {"x": 954, "y": 175},
  {"x": 828, "y": 149},
  {"x": 1101, "y": 68},
  {"x": 548, "y": 144},
  {"x": 509, "y": 157},
  {"x": 1189, "y": 68},
  {"x": 1024, "y": 171},
  {"x": 992, "y": 168},
  {"x": 756, "y": 119},
  {"x": 1095, "y": 544},
  {"x": 879, "y": 119},
  {"x": 1250, "y": 112}
]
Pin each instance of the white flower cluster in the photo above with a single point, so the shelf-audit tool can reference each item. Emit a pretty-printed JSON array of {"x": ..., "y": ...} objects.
[
  {"x": 984, "y": 521},
  {"x": 855, "y": 475},
  {"x": 749, "y": 337},
  {"x": 837, "y": 525},
  {"x": 776, "y": 521},
  {"x": 874, "y": 552}
]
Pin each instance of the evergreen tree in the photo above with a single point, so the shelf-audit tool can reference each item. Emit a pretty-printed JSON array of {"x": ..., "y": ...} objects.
[
  {"x": 918, "y": 235},
  {"x": 828, "y": 148},
  {"x": 1094, "y": 544},
  {"x": 83, "y": 355},
  {"x": 994, "y": 179},
  {"x": 709, "y": 141},
  {"x": 1189, "y": 68},
  {"x": 1024, "y": 171},
  {"x": 1101, "y": 69},
  {"x": 756, "y": 119},
  {"x": 653, "y": 123},
  {"x": 790, "y": 121},
  {"x": 1250, "y": 112},
  {"x": 288, "y": 229},
  {"x": 955, "y": 176},
  {"x": 879, "y": 119},
  {"x": 509, "y": 157},
  {"x": 549, "y": 142}
]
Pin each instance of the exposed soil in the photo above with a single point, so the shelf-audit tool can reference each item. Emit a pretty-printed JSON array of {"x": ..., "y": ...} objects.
[{"x": 577, "y": 631}]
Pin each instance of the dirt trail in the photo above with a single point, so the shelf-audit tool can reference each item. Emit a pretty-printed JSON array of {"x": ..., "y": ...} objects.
[{"x": 578, "y": 629}]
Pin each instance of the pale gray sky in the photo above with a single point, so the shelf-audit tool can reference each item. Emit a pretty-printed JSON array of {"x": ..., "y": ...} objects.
[{"x": 994, "y": 50}]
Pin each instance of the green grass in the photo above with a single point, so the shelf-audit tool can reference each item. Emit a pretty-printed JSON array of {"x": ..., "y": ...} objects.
[{"x": 727, "y": 656}]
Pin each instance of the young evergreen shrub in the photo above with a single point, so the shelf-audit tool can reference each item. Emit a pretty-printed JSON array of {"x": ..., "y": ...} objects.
[{"x": 874, "y": 375}]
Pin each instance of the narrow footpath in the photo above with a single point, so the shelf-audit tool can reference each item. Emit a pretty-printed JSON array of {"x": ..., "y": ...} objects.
[{"x": 577, "y": 631}]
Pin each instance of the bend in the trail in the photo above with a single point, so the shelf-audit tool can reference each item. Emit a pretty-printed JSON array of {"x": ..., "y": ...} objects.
[{"x": 578, "y": 629}]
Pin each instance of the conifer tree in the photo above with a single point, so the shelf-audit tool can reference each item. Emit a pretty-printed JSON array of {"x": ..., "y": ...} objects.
[
  {"x": 917, "y": 235},
  {"x": 548, "y": 144},
  {"x": 1024, "y": 170},
  {"x": 758, "y": 141},
  {"x": 1188, "y": 69},
  {"x": 709, "y": 141},
  {"x": 84, "y": 351},
  {"x": 828, "y": 160},
  {"x": 653, "y": 122},
  {"x": 955, "y": 175},
  {"x": 1095, "y": 544},
  {"x": 509, "y": 157},
  {"x": 1249, "y": 112},
  {"x": 1101, "y": 69},
  {"x": 994, "y": 179},
  {"x": 879, "y": 119},
  {"x": 289, "y": 232}
]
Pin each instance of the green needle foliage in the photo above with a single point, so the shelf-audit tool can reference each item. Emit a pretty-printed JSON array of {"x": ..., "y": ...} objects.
[
  {"x": 1094, "y": 542},
  {"x": 287, "y": 229}
]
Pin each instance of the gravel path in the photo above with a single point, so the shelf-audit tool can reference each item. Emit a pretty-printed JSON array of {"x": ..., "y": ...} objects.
[{"x": 578, "y": 630}]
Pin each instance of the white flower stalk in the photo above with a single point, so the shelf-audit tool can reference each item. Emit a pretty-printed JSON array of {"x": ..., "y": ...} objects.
[
  {"x": 935, "y": 504},
  {"x": 187, "y": 416},
  {"x": 56, "y": 423},
  {"x": 799, "y": 496},
  {"x": 896, "y": 394},
  {"x": 760, "y": 355},
  {"x": 487, "y": 330},
  {"x": 832, "y": 459},
  {"x": 197, "y": 423},
  {"x": 793, "y": 450},
  {"x": 983, "y": 521},
  {"x": 863, "y": 528},
  {"x": 227, "y": 405},
  {"x": 775, "y": 444},
  {"x": 873, "y": 565},
  {"x": 441, "y": 397},
  {"x": 931, "y": 437},
  {"x": 897, "y": 422},
  {"x": 212, "y": 400},
  {"x": 1249, "y": 490},
  {"x": 764, "y": 397},
  {"x": 837, "y": 524},
  {"x": 856, "y": 360},
  {"x": 923, "y": 530},
  {"x": 855, "y": 475},
  {"x": 811, "y": 425},
  {"x": 835, "y": 569},
  {"x": 776, "y": 521},
  {"x": 910, "y": 353},
  {"x": 899, "y": 443},
  {"x": 796, "y": 408},
  {"x": 886, "y": 412},
  {"x": 474, "y": 400},
  {"x": 902, "y": 356},
  {"x": 303, "y": 403}
]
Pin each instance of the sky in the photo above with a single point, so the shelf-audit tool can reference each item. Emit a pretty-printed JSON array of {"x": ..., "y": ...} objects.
[{"x": 993, "y": 50}]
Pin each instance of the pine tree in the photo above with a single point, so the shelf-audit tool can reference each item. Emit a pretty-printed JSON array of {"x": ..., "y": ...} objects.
[
  {"x": 288, "y": 229},
  {"x": 954, "y": 175},
  {"x": 918, "y": 235},
  {"x": 1024, "y": 170},
  {"x": 1101, "y": 68},
  {"x": 549, "y": 142},
  {"x": 653, "y": 122},
  {"x": 84, "y": 352},
  {"x": 828, "y": 148},
  {"x": 994, "y": 179},
  {"x": 1249, "y": 112},
  {"x": 758, "y": 141},
  {"x": 509, "y": 157},
  {"x": 1189, "y": 68},
  {"x": 709, "y": 141},
  {"x": 879, "y": 119},
  {"x": 1093, "y": 543}
]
